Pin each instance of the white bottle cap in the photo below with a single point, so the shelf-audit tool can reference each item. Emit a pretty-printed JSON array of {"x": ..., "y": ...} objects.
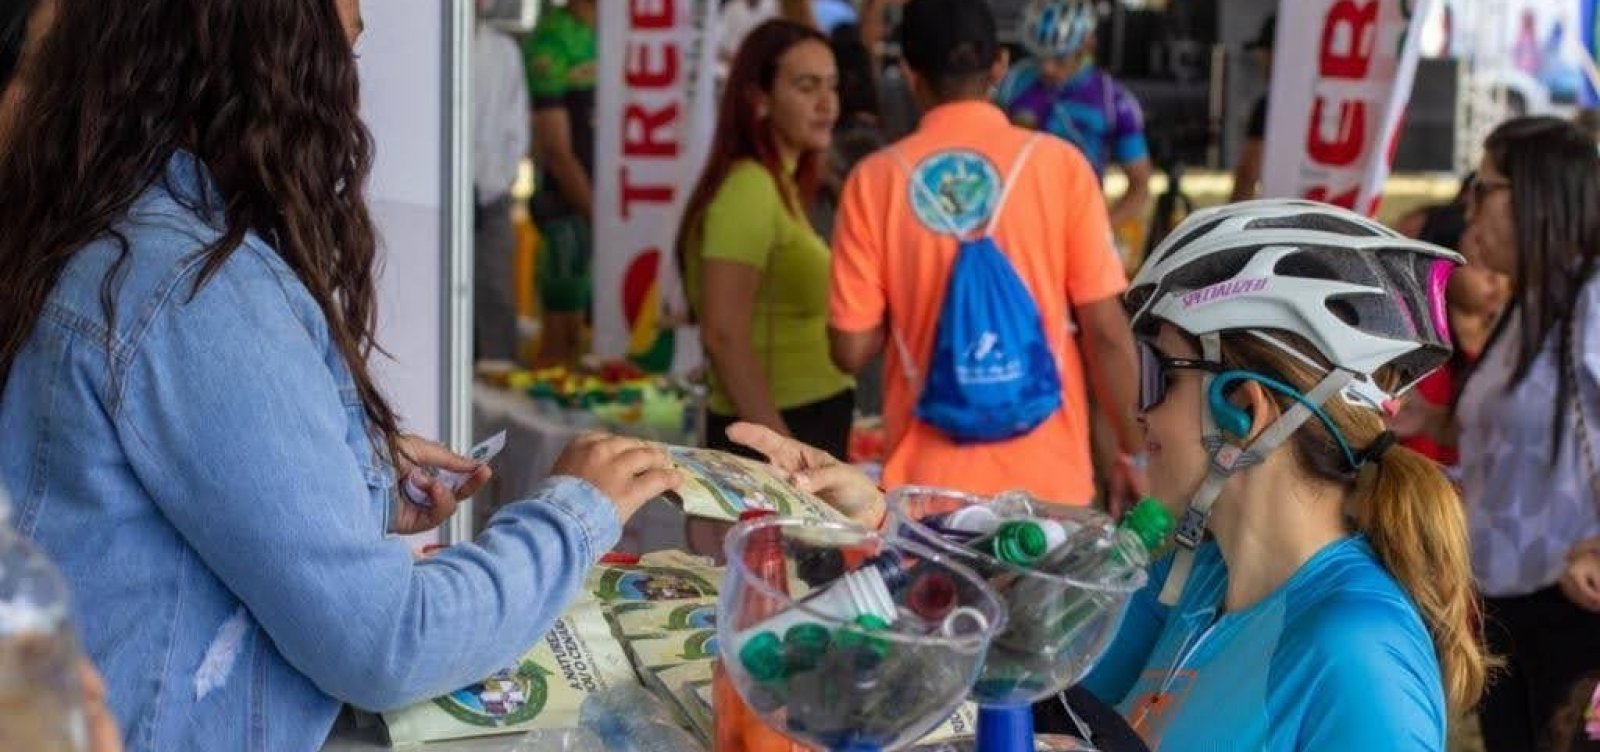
[{"x": 974, "y": 519}]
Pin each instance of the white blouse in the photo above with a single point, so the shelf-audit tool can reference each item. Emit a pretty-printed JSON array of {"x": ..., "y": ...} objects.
[{"x": 1526, "y": 513}]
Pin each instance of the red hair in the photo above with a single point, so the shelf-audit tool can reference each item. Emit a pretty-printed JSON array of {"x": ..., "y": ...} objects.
[{"x": 743, "y": 134}]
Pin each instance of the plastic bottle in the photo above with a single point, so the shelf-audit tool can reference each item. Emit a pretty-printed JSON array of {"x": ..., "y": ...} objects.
[
  {"x": 965, "y": 523},
  {"x": 859, "y": 593},
  {"x": 1046, "y": 618},
  {"x": 1089, "y": 549},
  {"x": 41, "y": 699},
  {"x": 737, "y": 727},
  {"x": 627, "y": 718},
  {"x": 1019, "y": 542}
]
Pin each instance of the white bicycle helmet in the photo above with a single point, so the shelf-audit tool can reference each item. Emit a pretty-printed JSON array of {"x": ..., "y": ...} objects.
[
  {"x": 1364, "y": 297},
  {"x": 1058, "y": 28}
]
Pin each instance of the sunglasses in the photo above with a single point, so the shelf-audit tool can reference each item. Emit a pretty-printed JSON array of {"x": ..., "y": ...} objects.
[{"x": 1154, "y": 368}]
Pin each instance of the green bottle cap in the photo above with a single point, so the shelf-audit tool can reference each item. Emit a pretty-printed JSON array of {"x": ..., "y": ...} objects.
[
  {"x": 1020, "y": 542},
  {"x": 1150, "y": 521},
  {"x": 804, "y": 647},
  {"x": 872, "y": 623},
  {"x": 762, "y": 656},
  {"x": 861, "y": 636}
]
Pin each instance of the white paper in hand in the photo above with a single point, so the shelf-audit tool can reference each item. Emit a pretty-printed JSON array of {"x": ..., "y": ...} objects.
[{"x": 483, "y": 453}]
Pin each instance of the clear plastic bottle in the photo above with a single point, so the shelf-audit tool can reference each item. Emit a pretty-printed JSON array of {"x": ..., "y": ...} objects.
[
  {"x": 1019, "y": 542},
  {"x": 627, "y": 718},
  {"x": 1090, "y": 550},
  {"x": 41, "y": 697},
  {"x": 1046, "y": 618}
]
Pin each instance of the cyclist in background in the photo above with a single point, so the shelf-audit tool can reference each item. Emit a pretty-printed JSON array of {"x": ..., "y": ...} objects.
[{"x": 1060, "y": 90}]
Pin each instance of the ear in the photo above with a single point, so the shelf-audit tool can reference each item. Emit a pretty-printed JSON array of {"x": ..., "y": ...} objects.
[
  {"x": 1002, "y": 63},
  {"x": 919, "y": 88},
  {"x": 1256, "y": 400},
  {"x": 760, "y": 101}
]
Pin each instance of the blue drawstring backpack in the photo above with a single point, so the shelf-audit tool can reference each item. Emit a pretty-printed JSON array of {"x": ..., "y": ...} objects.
[{"x": 992, "y": 375}]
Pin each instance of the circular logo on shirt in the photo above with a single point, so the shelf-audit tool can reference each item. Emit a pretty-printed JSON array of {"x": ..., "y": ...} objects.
[
  {"x": 955, "y": 191},
  {"x": 510, "y": 697}
]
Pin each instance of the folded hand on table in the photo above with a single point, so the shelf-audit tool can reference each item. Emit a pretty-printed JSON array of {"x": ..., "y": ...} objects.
[
  {"x": 814, "y": 471},
  {"x": 418, "y": 453}
]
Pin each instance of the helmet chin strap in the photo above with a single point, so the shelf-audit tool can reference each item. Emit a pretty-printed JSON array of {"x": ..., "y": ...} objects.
[{"x": 1228, "y": 459}]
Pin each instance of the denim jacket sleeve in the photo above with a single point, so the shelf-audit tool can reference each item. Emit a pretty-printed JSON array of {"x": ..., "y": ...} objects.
[{"x": 230, "y": 411}]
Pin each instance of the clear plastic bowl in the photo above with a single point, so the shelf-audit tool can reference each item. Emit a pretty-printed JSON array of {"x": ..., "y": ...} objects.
[
  {"x": 1057, "y": 626},
  {"x": 860, "y": 687}
]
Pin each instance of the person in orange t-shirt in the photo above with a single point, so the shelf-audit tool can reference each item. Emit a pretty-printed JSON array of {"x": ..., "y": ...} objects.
[{"x": 891, "y": 266}]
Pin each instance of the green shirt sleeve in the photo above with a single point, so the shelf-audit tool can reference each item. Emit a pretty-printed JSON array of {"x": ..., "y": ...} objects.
[
  {"x": 548, "y": 67},
  {"x": 743, "y": 220}
]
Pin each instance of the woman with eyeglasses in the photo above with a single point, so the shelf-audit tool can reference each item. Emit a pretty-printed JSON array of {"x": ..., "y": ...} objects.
[
  {"x": 1528, "y": 416},
  {"x": 1320, "y": 597}
]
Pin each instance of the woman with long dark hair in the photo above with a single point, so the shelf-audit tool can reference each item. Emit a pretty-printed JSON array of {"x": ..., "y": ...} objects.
[
  {"x": 191, "y": 427},
  {"x": 1527, "y": 415},
  {"x": 755, "y": 270}
]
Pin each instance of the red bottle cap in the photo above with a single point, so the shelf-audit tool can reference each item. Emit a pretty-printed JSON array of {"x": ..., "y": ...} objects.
[{"x": 932, "y": 596}]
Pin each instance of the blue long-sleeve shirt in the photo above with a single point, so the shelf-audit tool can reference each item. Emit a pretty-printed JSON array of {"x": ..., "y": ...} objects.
[
  {"x": 1337, "y": 658},
  {"x": 200, "y": 469}
]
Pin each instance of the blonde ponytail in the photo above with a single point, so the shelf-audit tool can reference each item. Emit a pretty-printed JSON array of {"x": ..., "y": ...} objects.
[
  {"x": 1405, "y": 506},
  {"x": 1418, "y": 527}
]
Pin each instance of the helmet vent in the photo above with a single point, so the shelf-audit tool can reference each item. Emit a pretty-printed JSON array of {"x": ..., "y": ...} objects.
[
  {"x": 1173, "y": 246},
  {"x": 1214, "y": 268},
  {"x": 1318, "y": 221}
]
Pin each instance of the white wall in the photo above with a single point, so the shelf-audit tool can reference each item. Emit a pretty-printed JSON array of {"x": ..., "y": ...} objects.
[
  {"x": 1238, "y": 23},
  {"x": 402, "y": 101}
]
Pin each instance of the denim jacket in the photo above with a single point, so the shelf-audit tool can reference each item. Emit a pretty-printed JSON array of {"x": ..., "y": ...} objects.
[{"x": 199, "y": 468}]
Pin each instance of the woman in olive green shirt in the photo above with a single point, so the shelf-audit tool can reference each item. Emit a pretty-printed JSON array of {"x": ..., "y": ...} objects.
[{"x": 755, "y": 270}]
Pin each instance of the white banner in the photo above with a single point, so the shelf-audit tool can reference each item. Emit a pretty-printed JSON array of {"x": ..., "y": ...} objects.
[
  {"x": 1341, "y": 77},
  {"x": 656, "y": 107}
]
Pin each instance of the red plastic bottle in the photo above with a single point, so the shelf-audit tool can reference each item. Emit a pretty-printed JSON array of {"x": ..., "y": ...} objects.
[{"x": 738, "y": 728}]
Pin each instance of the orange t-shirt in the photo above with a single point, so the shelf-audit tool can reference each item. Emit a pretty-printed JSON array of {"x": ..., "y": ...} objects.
[{"x": 891, "y": 265}]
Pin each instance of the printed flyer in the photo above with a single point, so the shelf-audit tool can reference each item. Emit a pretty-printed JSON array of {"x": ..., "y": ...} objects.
[
  {"x": 660, "y": 576},
  {"x": 544, "y": 690},
  {"x": 720, "y": 486}
]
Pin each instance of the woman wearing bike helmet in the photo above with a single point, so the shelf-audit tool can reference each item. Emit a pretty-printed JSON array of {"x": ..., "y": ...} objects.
[
  {"x": 1329, "y": 607},
  {"x": 1320, "y": 597}
]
